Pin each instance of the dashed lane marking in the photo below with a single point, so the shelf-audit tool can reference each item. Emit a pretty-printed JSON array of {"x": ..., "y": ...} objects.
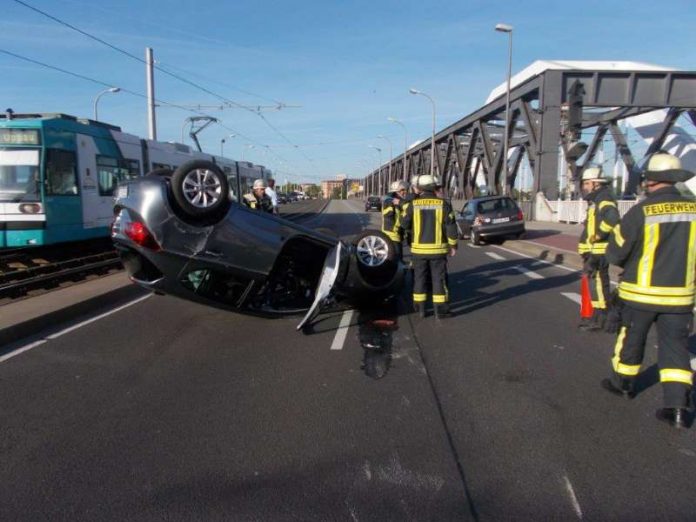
[
  {"x": 529, "y": 273},
  {"x": 70, "y": 329},
  {"x": 340, "y": 337},
  {"x": 495, "y": 256},
  {"x": 573, "y": 497},
  {"x": 573, "y": 296}
]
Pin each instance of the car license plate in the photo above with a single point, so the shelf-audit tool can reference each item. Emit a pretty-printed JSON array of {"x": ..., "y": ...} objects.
[{"x": 501, "y": 220}]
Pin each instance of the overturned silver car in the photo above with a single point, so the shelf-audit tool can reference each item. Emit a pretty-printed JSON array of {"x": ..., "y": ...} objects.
[{"x": 181, "y": 233}]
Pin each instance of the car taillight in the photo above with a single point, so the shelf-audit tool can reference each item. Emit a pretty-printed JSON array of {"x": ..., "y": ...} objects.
[
  {"x": 520, "y": 215},
  {"x": 139, "y": 233}
]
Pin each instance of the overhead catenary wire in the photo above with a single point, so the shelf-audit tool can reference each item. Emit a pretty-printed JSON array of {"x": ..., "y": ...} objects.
[{"x": 159, "y": 68}]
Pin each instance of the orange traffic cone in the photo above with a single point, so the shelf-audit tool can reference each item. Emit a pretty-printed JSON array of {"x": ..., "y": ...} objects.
[{"x": 585, "y": 298}]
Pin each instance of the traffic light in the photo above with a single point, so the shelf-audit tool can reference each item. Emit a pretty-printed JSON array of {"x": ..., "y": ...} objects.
[{"x": 575, "y": 97}]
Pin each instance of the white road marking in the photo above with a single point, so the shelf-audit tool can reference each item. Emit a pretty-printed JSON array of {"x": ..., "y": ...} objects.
[
  {"x": 471, "y": 245},
  {"x": 22, "y": 350},
  {"x": 573, "y": 296},
  {"x": 573, "y": 498},
  {"x": 28, "y": 347},
  {"x": 342, "y": 331},
  {"x": 539, "y": 260},
  {"x": 101, "y": 316},
  {"x": 529, "y": 273},
  {"x": 495, "y": 256}
]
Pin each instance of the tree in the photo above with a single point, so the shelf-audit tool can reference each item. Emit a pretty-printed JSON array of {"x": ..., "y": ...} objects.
[
  {"x": 313, "y": 191},
  {"x": 336, "y": 193}
]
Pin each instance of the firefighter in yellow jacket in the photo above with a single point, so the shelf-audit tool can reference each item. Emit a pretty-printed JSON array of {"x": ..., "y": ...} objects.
[
  {"x": 602, "y": 217},
  {"x": 655, "y": 244},
  {"x": 430, "y": 221},
  {"x": 392, "y": 208}
]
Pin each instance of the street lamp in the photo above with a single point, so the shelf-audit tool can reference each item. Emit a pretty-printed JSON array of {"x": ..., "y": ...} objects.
[
  {"x": 222, "y": 143},
  {"x": 96, "y": 100},
  {"x": 405, "y": 169},
  {"x": 379, "y": 171},
  {"x": 432, "y": 141},
  {"x": 505, "y": 28},
  {"x": 391, "y": 156}
]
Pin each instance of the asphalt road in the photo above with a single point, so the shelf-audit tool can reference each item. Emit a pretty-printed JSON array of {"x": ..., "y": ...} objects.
[{"x": 170, "y": 410}]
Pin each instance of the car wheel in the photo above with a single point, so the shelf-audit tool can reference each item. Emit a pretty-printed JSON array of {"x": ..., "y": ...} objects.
[
  {"x": 474, "y": 238},
  {"x": 200, "y": 189}
]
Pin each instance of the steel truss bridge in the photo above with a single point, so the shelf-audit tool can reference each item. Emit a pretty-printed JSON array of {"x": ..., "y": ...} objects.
[{"x": 549, "y": 108}]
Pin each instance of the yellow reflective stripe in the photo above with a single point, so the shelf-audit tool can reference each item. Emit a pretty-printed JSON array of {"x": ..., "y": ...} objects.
[
  {"x": 673, "y": 291},
  {"x": 439, "y": 299},
  {"x": 452, "y": 242},
  {"x": 387, "y": 210},
  {"x": 616, "y": 360},
  {"x": 583, "y": 248},
  {"x": 606, "y": 203},
  {"x": 605, "y": 227},
  {"x": 675, "y": 375},
  {"x": 590, "y": 223},
  {"x": 617, "y": 236},
  {"x": 599, "y": 248},
  {"x": 429, "y": 250},
  {"x": 601, "y": 301},
  {"x": 394, "y": 236},
  {"x": 691, "y": 258},
  {"x": 660, "y": 300},
  {"x": 627, "y": 369},
  {"x": 416, "y": 226},
  {"x": 438, "y": 226},
  {"x": 419, "y": 298},
  {"x": 651, "y": 238}
]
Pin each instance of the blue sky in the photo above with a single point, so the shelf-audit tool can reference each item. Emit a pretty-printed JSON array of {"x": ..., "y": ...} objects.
[{"x": 349, "y": 65}]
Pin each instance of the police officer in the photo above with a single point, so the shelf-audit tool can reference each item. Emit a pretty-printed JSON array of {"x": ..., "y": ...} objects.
[
  {"x": 432, "y": 225},
  {"x": 655, "y": 244},
  {"x": 392, "y": 208},
  {"x": 602, "y": 217},
  {"x": 257, "y": 198}
]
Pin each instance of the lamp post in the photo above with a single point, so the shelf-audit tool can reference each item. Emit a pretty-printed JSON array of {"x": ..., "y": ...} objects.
[
  {"x": 391, "y": 156},
  {"x": 405, "y": 168},
  {"x": 505, "y": 28},
  {"x": 96, "y": 100},
  {"x": 379, "y": 171},
  {"x": 432, "y": 139},
  {"x": 222, "y": 143}
]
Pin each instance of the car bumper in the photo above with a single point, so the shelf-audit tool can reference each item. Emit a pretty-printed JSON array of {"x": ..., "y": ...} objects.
[{"x": 500, "y": 229}]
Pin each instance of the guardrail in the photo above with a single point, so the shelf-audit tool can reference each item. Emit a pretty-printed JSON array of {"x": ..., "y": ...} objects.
[{"x": 574, "y": 211}]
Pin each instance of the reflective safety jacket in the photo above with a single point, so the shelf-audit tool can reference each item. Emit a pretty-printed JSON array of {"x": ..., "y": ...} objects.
[
  {"x": 432, "y": 225},
  {"x": 391, "y": 218},
  {"x": 263, "y": 203},
  {"x": 656, "y": 246},
  {"x": 602, "y": 217}
]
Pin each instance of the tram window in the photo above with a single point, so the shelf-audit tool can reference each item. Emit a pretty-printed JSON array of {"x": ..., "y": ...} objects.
[
  {"x": 111, "y": 171},
  {"x": 61, "y": 173}
]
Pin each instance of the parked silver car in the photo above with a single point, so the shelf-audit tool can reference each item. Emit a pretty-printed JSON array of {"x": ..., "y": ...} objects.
[{"x": 180, "y": 233}]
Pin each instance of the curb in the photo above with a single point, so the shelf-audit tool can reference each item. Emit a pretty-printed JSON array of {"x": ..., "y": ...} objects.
[{"x": 19, "y": 331}]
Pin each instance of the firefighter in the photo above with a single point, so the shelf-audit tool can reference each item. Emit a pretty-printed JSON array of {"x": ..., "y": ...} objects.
[
  {"x": 257, "y": 199},
  {"x": 430, "y": 221},
  {"x": 392, "y": 208},
  {"x": 602, "y": 217},
  {"x": 655, "y": 244}
]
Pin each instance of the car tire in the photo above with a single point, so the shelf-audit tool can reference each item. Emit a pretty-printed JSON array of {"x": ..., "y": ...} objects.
[
  {"x": 374, "y": 249},
  {"x": 200, "y": 189},
  {"x": 474, "y": 238}
]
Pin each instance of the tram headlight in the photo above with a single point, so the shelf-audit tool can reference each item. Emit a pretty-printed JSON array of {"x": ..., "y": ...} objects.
[{"x": 30, "y": 208}]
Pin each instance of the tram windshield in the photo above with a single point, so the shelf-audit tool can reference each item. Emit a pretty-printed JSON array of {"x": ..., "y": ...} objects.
[{"x": 19, "y": 174}]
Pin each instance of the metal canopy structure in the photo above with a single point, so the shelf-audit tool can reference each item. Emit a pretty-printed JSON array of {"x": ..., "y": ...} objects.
[{"x": 551, "y": 104}]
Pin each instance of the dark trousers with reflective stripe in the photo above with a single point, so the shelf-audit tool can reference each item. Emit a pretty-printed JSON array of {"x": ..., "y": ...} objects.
[
  {"x": 430, "y": 270},
  {"x": 596, "y": 267},
  {"x": 672, "y": 356}
]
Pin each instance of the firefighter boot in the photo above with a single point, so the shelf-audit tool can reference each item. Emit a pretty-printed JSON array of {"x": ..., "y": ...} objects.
[
  {"x": 442, "y": 311},
  {"x": 620, "y": 386},
  {"x": 675, "y": 417},
  {"x": 599, "y": 318}
]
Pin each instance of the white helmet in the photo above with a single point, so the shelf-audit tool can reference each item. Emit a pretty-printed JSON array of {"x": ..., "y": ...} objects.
[
  {"x": 259, "y": 184},
  {"x": 428, "y": 182},
  {"x": 396, "y": 186},
  {"x": 594, "y": 174}
]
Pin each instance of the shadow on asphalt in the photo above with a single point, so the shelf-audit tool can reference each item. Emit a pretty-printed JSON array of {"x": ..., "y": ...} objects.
[
  {"x": 467, "y": 288},
  {"x": 538, "y": 234}
]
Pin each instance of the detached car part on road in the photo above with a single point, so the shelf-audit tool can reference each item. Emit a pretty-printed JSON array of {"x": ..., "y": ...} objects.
[
  {"x": 490, "y": 218},
  {"x": 181, "y": 233},
  {"x": 373, "y": 203}
]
